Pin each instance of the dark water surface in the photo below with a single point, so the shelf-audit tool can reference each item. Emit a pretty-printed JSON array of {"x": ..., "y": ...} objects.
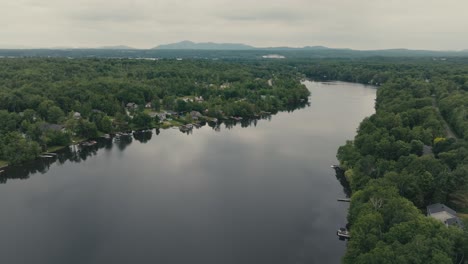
[{"x": 260, "y": 194}]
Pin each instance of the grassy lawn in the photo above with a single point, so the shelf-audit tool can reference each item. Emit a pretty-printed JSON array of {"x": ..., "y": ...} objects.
[
  {"x": 3, "y": 163},
  {"x": 77, "y": 140},
  {"x": 171, "y": 123},
  {"x": 54, "y": 148},
  {"x": 148, "y": 111}
]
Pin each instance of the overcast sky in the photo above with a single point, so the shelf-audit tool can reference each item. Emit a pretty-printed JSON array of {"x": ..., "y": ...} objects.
[{"x": 358, "y": 24}]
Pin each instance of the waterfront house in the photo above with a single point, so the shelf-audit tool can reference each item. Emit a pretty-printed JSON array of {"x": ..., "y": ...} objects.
[
  {"x": 132, "y": 106},
  {"x": 195, "y": 115},
  {"x": 444, "y": 214}
]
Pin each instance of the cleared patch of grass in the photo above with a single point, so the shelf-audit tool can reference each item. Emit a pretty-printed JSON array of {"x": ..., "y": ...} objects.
[
  {"x": 55, "y": 148},
  {"x": 148, "y": 111},
  {"x": 3, "y": 163},
  {"x": 174, "y": 123},
  {"x": 76, "y": 140}
]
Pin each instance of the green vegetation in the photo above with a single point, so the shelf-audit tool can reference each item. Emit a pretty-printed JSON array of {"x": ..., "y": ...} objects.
[
  {"x": 54, "y": 148},
  {"x": 403, "y": 159},
  {"x": 50, "y": 102}
]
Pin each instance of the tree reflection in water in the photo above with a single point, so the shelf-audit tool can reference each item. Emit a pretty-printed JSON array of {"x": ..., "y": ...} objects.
[{"x": 77, "y": 153}]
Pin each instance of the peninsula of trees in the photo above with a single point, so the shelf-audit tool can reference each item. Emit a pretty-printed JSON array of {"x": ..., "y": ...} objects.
[{"x": 45, "y": 103}]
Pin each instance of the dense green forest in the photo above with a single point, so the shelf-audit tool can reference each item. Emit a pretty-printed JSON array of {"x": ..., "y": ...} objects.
[
  {"x": 250, "y": 54},
  {"x": 404, "y": 158},
  {"x": 50, "y": 102},
  {"x": 411, "y": 153}
]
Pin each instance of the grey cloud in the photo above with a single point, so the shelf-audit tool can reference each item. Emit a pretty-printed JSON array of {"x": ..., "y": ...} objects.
[
  {"x": 109, "y": 15},
  {"x": 359, "y": 24},
  {"x": 272, "y": 15}
]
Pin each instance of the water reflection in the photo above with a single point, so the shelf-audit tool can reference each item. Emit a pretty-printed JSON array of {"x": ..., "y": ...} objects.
[
  {"x": 263, "y": 194},
  {"x": 78, "y": 153},
  {"x": 340, "y": 176},
  {"x": 73, "y": 153},
  {"x": 143, "y": 136}
]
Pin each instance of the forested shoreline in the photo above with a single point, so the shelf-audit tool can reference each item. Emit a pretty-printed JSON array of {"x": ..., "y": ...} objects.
[
  {"x": 45, "y": 103},
  {"x": 403, "y": 159}
]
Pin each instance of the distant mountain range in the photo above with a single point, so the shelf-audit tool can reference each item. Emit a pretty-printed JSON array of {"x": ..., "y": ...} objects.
[
  {"x": 189, "y": 45},
  {"x": 211, "y": 50},
  {"x": 117, "y": 47}
]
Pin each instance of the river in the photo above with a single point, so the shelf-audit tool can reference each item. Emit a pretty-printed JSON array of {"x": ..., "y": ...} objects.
[{"x": 259, "y": 193}]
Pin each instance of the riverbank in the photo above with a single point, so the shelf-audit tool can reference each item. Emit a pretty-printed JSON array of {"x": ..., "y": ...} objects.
[
  {"x": 167, "y": 124},
  {"x": 382, "y": 163},
  {"x": 279, "y": 165}
]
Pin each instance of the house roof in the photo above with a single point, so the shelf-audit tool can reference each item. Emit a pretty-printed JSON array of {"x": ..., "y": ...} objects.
[
  {"x": 454, "y": 221},
  {"x": 53, "y": 127},
  {"x": 196, "y": 113},
  {"x": 437, "y": 208}
]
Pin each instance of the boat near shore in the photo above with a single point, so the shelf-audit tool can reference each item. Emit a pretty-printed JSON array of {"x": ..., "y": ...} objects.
[
  {"x": 343, "y": 233},
  {"x": 89, "y": 143}
]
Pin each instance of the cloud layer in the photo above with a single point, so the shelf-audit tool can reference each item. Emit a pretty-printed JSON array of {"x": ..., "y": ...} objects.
[{"x": 359, "y": 24}]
